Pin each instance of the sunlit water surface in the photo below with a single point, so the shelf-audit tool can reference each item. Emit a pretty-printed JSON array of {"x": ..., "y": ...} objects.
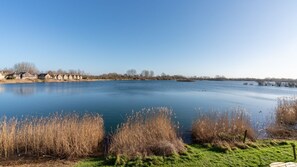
[{"x": 115, "y": 99}]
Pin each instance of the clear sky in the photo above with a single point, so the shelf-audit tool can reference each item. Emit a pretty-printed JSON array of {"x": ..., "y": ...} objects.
[{"x": 235, "y": 38}]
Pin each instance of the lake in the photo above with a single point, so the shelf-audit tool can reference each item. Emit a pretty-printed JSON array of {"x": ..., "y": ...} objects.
[{"x": 114, "y": 99}]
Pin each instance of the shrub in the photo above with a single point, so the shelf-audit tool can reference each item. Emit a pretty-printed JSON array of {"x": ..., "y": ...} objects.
[
  {"x": 148, "y": 132},
  {"x": 217, "y": 128},
  {"x": 285, "y": 125},
  {"x": 59, "y": 136}
]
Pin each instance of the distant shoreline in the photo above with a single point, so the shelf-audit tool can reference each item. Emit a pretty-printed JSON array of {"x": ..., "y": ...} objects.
[{"x": 24, "y": 81}]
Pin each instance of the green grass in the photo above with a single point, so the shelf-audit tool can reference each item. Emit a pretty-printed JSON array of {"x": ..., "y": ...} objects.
[{"x": 261, "y": 153}]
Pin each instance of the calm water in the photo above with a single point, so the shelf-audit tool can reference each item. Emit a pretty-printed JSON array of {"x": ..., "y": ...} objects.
[{"x": 114, "y": 99}]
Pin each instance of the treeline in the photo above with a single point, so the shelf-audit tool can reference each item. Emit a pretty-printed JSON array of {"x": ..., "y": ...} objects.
[
  {"x": 32, "y": 69},
  {"x": 132, "y": 74}
]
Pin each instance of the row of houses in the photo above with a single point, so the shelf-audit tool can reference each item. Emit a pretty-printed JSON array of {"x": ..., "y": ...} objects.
[
  {"x": 59, "y": 76},
  {"x": 43, "y": 76},
  {"x": 278, "y": 84}
]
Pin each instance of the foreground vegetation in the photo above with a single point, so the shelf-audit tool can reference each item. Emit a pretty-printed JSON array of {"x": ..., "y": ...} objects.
[
  {"x": 228, "y": 129},
  {"x": 261, "y": 153},
  {"x": 146, "y": 133},
  {"x": 150, "y": 138},
  {"x": 67, "y": 136},
  {"x": 285, "y": 124}
]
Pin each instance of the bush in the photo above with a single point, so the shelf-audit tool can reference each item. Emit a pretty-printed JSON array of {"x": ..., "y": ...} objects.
[
  {"x": 149, "y": 132},
  {"x": 59, "y": 136},
  {"x": 217, "y": 128},
  {"x": 285, "y": 125}
]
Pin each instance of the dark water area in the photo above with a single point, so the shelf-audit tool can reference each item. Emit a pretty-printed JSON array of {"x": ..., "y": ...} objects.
[{"x": 115, "y": 99}]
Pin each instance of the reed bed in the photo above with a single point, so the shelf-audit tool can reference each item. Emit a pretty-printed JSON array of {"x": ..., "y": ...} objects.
[
  {"x": 223, "y": 128},
  {"x": 285, "y": 124},
  {"x": 148, "y": 132},
  {"x": 61, "y": 136}
]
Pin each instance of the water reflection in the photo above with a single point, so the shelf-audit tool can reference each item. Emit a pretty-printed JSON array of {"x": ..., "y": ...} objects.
[
  {"x": 115, "y": 99},
  {"x": 41, "y": 88},
  {"x": 24, "y": 90},
  {"x": 2, "y": 89}
]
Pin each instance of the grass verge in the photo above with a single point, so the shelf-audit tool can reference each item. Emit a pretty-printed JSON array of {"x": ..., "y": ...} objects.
[{"x": 261, "y": 153}]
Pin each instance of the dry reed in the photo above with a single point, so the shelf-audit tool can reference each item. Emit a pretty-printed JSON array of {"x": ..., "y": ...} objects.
[
  {"x": 285, "y": 125},
  {"x": 226, "y": 127},
  {"x": 67, "y": 136},
  {"x": 149, "y": 132}
]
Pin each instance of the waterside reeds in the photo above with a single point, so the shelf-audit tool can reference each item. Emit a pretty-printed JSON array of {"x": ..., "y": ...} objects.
[
  {"x": 285, "y": 124},
  {"x": 223, "y": 128},
  {"x": 145, "y": 133},
  {"x": 62, "y": 136}
]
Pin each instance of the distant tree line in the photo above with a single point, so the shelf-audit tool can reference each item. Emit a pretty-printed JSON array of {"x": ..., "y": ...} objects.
[
  {"x": 131, "y": 74},
  {"x": 32, "y": 69}
]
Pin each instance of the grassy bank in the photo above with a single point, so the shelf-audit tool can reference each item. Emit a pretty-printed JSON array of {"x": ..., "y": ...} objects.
[{"x": 262, "y": 153}]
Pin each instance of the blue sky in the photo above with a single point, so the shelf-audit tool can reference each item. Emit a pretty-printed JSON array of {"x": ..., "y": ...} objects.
[{"x": 235, "y": 38}]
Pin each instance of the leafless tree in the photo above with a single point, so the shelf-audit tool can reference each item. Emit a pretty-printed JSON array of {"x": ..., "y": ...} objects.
[
  {"x": 25, "y": 67},
  {"x": 131, "y": 72},
  {"x": 151, "y": 74},
  {"x": 145, "y": 73},
  {"x": 163, "y": 74},
  {"x": 60, "y": 71}
]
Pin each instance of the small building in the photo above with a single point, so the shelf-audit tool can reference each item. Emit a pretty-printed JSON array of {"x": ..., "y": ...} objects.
[
  {"x": 70, "y": 77},
  {"x": 13, "y": 76},
  {"x": 2, "y": 76},
  {"x": 27, "y": 75},
  {"x": 58, "y": 77},
  {"x": 75, "y": 77},
  {"x": 44, "y": 76},
  {"x": 65, "y": 77},
  {"x": 270, "y": 83},
  {"x": 284, "y": 84}
]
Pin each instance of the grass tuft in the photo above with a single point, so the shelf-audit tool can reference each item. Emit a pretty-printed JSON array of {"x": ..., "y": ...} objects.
[
  {"x": 146, "y": 133},
  {"x": 224, "y": 130},
  {"x": 285, "y": 125},
  {"x": 67, "y": 136}
]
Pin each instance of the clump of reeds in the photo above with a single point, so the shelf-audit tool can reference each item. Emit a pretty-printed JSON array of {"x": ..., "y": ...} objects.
[
  {"x": 285, "y": 125},
  {"x": 61, "y": 136},
  {"x": 148, "y": 132},
  {"x": 223, "y": 128}
]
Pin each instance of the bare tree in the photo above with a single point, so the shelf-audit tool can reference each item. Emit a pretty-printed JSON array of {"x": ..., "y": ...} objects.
[
  {"x": 145, "y": 73},
  {"x": 131, "y": 72},
  {"x": 7, "y": 70},
  {"x": 60, "y": 71},
  {"x": 72, "y": 72},
  {"x": 163, "y": 74},
  {"x": 151, "y": 74},
  {"x": 25, "y": 67}
]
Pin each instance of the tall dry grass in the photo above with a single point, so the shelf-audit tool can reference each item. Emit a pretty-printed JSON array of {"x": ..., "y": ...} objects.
[
  {"x": 285, "y": 125},
  {"x": 62, "y": 136},
  {"x": 228, "y": 127},
  {"x": 149, "y": 132}
]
